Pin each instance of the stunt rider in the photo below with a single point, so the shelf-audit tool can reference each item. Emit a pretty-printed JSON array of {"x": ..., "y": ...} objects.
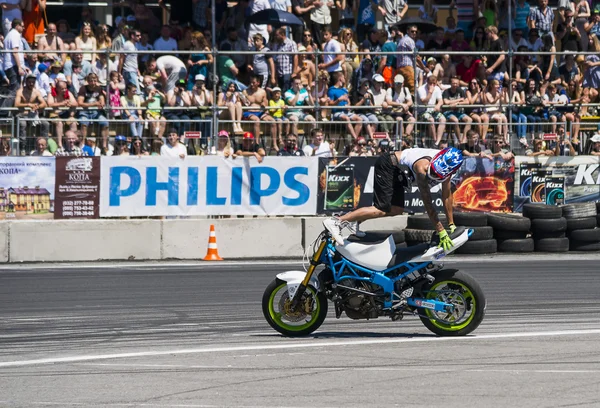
[{"x": 429, "y": 167}]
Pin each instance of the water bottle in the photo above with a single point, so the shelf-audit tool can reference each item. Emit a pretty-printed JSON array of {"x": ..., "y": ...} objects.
[{"x": 14, "y": 146}]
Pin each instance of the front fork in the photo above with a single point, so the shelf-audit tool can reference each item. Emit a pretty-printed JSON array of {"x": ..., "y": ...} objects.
[{"x": 311, "y": 269}]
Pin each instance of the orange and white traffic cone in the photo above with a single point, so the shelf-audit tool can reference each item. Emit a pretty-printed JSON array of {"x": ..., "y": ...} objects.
[{"x": 212, "y": 254}]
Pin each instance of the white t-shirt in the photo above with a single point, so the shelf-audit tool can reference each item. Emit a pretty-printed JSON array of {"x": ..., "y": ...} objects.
[
  {"x": 12, "y": 41},
  {"x": 131, "y": 63},
  {"x": 167, "y": 150},
  {"x": 255, "y": 7},
  {"x": 324, "y": 150},
  {"x": 422, "y": 94},
  {"x": 168, "y": 45},
  {"x": 410, "y": 156},
  {"x": 402, "y": 97},
  {"x": 330, "y": 52}
]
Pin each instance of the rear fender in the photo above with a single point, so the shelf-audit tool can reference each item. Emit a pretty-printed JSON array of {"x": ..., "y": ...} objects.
[{"x": 295, "y": 278}]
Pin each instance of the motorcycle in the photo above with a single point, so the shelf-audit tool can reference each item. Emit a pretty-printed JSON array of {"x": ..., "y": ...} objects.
[{"x": 370, "y": 277}]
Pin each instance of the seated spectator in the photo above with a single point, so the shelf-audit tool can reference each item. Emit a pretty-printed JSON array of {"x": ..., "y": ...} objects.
[
  {"x": 591, "y": 76},
  {"x": 137, "y": 147},
  {"x": 595, "y": 149},
  {"x": 121, "y": 148},
  {"x": 568, "y": 71},
  {"x": 103, "y": 40},
  {"x": 295, "y": 97},
  {"x": 365, "y": 71},
  {"x": 165, "y": 42},
  {"x": 285, "y": 64},
  {"x": 473, "y": 147},
  {"x": 453, "y": 98},
  {"x": 64, "y": 104},
  {"x": 91, "y": 97},
  {"x": 360, "y": 149},
  {"x": 347, "y": 44},
  {"x": 498, "y": 149},
  {"x": 5, "y": 146},
  {"x": 91, "y": 148},
  {"x": 199, "y": 62},
  {"x": 173, "y": 148},
  {"x": 31, "y": 104},
  {"x": 291, "y": 147},
  {"x": 154, "y": 102},
  {"x": 400, "y": 101},
  {"x": 428, "y": 11},
  {"x": 476, "y": 96},
  {"x": 564, "y": 147},
  {"x": 202, "y": 100},
  {"x": 430, "y": 105},
  {"x": 65, "y": 34},
  {"x": 224, "y": 148},
  {"x": 338, "y": 96},
  {"x": 144, "y": 45},
  {"x": 319, "y": 93},
  {"x": 52, "y": 44},
  {"x": 552, "y": 100},
  {"x": 363, "y": 97},
  {"x": 548, "y": 63},
  {"x": 41, "y": 148},
  {"x": 255, "y": 98},
  {"x": 132, "y": 110},
  {"x": 227, "y": 70},
  {"x": 157, "y": 145},
  {"x": 102, "y": 67},
  {"x": 518, "y": 118},
  {"x": 179, "y": 98},
  {"x": 172, "y": 70},
  {"x": 86, "y": 41},
  {"x": 75, "y": 77},
  {"x": 460, "y": 44},
  {"x": 495, "y": 101},
  {"x": 69, "y": 146},
  {"x": 319, "y": 147},
  {"x": 249, "y": 148},
  {"x": 540, "y": 148},
  {"x": 306, "y": 69},
  {"x": 534, "y": 106},
  {"x": 277, "y": 108},
  {"x": 385, "y": 121},
  {"x": 232, "y": 101}
]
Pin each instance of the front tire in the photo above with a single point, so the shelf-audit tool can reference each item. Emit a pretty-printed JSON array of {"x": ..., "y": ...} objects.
[
  {"x": 460, "y": 289},
  {"x": 311, "y": 314}
]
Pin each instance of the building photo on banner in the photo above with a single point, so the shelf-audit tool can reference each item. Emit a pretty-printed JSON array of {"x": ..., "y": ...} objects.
[
  {"x": 557, "y": 180},
  {"x": 158, "y": 186}
]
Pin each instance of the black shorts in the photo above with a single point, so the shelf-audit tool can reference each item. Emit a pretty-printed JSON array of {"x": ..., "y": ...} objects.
[{"x": 388, "y": 189}]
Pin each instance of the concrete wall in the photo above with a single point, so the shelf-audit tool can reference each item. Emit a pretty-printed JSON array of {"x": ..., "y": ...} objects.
[{"x": 92, "y": 240}]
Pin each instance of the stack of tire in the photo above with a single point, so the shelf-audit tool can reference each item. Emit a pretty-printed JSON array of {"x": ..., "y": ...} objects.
[
  {"x": 419, "y": 230},
  {"x": 548, "y": 227},
  {"x": 582, "y": 222},
  {"x": 511, "y": 232}
]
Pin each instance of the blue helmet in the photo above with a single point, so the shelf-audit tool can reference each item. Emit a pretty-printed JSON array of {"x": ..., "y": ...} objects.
[{"x": 445, "y": 164}]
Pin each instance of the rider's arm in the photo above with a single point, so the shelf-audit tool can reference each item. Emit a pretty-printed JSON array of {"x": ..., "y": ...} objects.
[
  {"x": 421, "y": 173},
  {"x": 448, "y": 200}
]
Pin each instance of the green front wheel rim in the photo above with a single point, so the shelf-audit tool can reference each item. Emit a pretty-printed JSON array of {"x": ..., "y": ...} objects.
[
  {"x": 277, "y": 317},
  {"x": 467, "y": 294}
]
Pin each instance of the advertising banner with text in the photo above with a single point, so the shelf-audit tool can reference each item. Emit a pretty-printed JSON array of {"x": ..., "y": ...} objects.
[
  {"x": 207, "y": 185},
  {"x": 77, "y": 187}
]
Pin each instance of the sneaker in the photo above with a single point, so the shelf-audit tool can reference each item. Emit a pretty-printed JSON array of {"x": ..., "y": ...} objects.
[
  {"x": 334, "y": 226},
  {"x": 358, "y": 232}
]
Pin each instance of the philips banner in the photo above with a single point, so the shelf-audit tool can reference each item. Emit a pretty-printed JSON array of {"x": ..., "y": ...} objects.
[
  {"x": 204, "y": 185},
  {"x": 557, "y": 180},
  {"x": 480, "y": 185}
]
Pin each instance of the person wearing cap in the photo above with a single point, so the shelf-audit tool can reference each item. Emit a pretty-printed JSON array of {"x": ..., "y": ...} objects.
[
  {"x": 69, "y": 147},
  {"x": 91, "y": 148},
  {"x": 223, "y": 148},
  {"x": 400, "y": 101},
  {"x": 31, "y": 105},
  {"x": 91, "y": 98},
  {"x": 121, "y": 148},
  {"x": 249, "y": 148},
  {"x": 43, "y": 80},
  {"x": 382, "y": 111},
  {"x": 277, "y": 108},
  {"x": 128, "y": 63},
  {"x": 14, "y": 62},
  {"x": 64, "y": 103},
  {"x": 173, "y": 148},
  {"x": 202, "y": 100},
  {"x": 595, "y": 148},
  {"x": 52, "y": 43}
]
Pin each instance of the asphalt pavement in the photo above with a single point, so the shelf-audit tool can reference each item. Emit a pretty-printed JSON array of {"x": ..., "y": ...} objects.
[{"x": 193, "y": 335}]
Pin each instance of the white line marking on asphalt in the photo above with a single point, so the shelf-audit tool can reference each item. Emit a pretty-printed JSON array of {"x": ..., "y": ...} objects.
[
  {"x": 76, "y": 359},
  {"x": 137, "y": 404}
]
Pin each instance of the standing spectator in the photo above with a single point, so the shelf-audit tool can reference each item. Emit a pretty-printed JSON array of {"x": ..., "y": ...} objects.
[
  {"x": 128, "y": 64},
  {"x": 236, "y": 44},
  {"x": 467, "y": 69},
  {"x": 230, "y": 98},
  {"x": 348, "y": 9},
  {"x": 308, "y": 43},
  {"x": 69, "y": 147},
  {"x": 53, "y": 43},
  {"x": 201, "y": 14},
  {"x": 366, "y": 18},
  {"x": 120, "y": 35},
  {"x": 64, "y": 103},
  {"x": 319, "y": 147},
  {"x": 255, "y": 7},
  {"x": 387, "y": 63},
  {"x": 287, "y": 63},
  {"x": 466, "y": 13},
  {"x": 430, "y": 105},
  {"x": 521, "y": 10},
  {"x": 172, "y": 70},
  {"x": 91, "y": 98},
  {"x": 393, "y": 12},
  {"x": 255, "y": 98},
  {"x": 87, "y": 43},
  {"x": 103, "y": 40},
  {"x": 103, "y": 67},
  {"x": 132, "y": 110},
  {"x": 453, "y": 97},
  {"x": 30, "y": 102},
  {"x": 459, "y": 44},
  {"x": 405, "y": 60},
  {"x": 173, "y": 148},
  {"x": 291, "y": 147},
  {"x": 295, "y": 97},
  {"x": 373, "y": 45},
  {"x": 144, "y": 45},
  {"x": 165, "y": 42},
  {"x": 548, "y": 64},
  {"x": 338, "y": 96},
  {"x": 496, "y": 66},
  {"x": 301, "y": 8},
  {"x": 332, "y": 57},
  {"x": 249, "y": 148},
  {"x": 542, "y": 18},
  {"x": 262, "y": 64},
  {"x": 14, "y": 62},
  {"x": 41, "y": 148},
  {"x": 320, "y": 16},
  {"x": 198, "y": 63},
  {"x": 11, "y": 11},
  {"x": 227, "y": 70},
  {"x": 346, "y": 38},
  {"x": 568, "y": 34},
  {"x": 591, "y": 75},
  {"x": 428, "y": 11}
]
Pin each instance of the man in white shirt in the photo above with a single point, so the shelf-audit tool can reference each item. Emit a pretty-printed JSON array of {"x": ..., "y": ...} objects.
[
  {"x": 171, "y": 69},
  {"x": 430, "y": 108},
  {"x": 165, "y": 42},
  {"x": 11, "y": 10},
  {"x": 128, "y": 65},
  {"x": 318, "y": 147},
  {"x": 320, "y": 16},
  {"x": 332, "y": 57},
  {"x": 14, "y": 62},
  {"x": 173, "y": 148},
  {"x": 255, "y": 7}
]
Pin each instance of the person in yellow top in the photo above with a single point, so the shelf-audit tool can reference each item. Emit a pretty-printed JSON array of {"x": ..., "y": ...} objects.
[{"x": 277, "y": 109}]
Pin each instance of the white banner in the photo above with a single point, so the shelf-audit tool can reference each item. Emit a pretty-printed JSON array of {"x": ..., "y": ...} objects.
[{"x": 207, "y": 185}]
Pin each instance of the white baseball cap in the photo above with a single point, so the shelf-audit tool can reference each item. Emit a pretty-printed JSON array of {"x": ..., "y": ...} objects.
[
  {"x": 378, "y": 78},
  {"x": 200, "y": 77},
  {"x": 596, "y": 138},
  {"x": 61, "y": 77},
  {"x": 399, "y": 79}
]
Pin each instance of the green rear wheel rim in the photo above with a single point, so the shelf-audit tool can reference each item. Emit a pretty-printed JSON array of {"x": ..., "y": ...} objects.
[
  {"x": 468, "y": 296},
  {"x": 277, "y": 317}
]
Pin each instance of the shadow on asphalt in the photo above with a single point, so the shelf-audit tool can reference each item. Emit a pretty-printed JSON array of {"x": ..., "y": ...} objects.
[{"x": 353, "y": 335}]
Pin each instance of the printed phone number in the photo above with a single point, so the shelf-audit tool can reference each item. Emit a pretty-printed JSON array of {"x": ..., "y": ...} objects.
[
  {"x": 80, "y": 202},
  {"x": 78, "y": 213}
]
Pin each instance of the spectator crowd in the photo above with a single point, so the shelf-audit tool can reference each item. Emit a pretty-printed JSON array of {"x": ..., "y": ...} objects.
[{"x": 434, "y": 83}]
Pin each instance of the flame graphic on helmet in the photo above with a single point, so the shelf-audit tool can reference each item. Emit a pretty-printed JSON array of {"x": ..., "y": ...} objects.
[{"x": 446, "y": 163}]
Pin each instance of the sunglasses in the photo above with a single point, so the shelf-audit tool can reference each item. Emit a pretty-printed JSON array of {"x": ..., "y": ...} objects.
[
  {"x": 291, "y": 141},
  {"x": 413, "y": 31}
]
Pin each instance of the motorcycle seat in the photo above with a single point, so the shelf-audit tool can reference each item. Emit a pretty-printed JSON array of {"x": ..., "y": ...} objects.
[
  {"x": 402, "y": 255},
  {"x": 377, "y": 237}
]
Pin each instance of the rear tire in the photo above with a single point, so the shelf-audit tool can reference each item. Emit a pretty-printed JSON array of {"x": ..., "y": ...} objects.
[
  {"x": 469, "y": 298},
  {"x": 297, "y": 324}
]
